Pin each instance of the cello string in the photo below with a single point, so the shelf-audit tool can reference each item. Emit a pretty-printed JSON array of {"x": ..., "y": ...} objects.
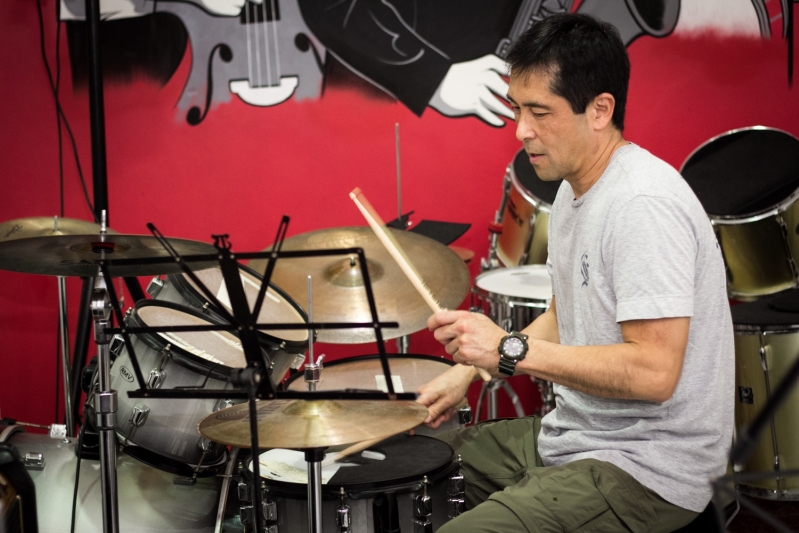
[
  {"x": 274, "y": 34},
  {"x": 257, "y": 46},
  {"x": 249, "y": 46},
  {"x": 267, "y": 51}
]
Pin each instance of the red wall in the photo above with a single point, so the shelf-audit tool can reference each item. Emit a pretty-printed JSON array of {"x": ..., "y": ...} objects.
[{"x": 244, "y": 167}]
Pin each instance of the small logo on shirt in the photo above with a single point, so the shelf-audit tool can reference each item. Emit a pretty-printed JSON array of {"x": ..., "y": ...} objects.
[{"x": 584, "y": 269}]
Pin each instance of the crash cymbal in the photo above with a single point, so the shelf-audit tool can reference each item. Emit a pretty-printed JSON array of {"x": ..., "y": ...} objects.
[
  {"x": 312, "y": 424},
  {"x": 75, "y": 255},
  {"x": 338, "y": 293},
  {"x": 22, "y": 228}
]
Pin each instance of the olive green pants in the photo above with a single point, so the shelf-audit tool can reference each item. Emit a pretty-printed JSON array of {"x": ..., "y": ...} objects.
[{"x": 508, "y": 488}]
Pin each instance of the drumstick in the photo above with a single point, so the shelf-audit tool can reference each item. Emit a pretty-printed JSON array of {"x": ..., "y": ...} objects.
[
  {"x": 396, "y": 252},
  {"x": 355, "y": 448}
]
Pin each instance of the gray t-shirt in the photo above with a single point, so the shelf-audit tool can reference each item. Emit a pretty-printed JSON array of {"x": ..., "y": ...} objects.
[{"x": 638, "y": 245}]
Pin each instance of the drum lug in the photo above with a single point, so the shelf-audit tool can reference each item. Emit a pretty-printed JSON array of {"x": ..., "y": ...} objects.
[
  {"x": 422, "y": 526},
  {"x": 343, "y": 519},
  {"x": 156, "y": 378},
  {"x": 422, "y": 504},
  {"x": 299, "y": 359},
  {"x": 456, "y": 503},
  {"x": 245, "y": 514},
  {"x": 155, "y": 286},
  {"x": 139, "y": 414},
  {"x": 268, "y": 505},
  {"x": 271, "y": 529},
  {"x": 117, "y": 344},
  {"x": 465, "y": 415},
  {"x": 763, "y": 358},
  {"x": 34, "y": 461},
  {"x": 222, "y": 403},
  {"x": 245, "y": 494}
]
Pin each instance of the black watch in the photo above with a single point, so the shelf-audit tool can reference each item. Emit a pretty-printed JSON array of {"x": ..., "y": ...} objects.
[{"x": 512, "y": 349}]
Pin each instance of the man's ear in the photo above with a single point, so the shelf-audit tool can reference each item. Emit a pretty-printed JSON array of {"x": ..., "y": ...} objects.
[{"x": 601, "y": 110}]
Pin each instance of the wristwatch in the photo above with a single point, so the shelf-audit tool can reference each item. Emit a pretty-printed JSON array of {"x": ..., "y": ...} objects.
[{"x": 512, "y": 349}]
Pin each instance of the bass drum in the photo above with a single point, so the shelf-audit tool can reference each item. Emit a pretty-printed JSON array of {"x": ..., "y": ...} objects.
[
  {"x": 766, "y": 346},
  {"x": 163, "y": 432},
  {"x": 748, "y": 183},
  {"x": 149, "y": 501},
  {"x": 365, "y": 372},
  {"x": 285, "y": 348},
  {"x": 526, "y": 203},
  {"x": 381, "y": 487}
]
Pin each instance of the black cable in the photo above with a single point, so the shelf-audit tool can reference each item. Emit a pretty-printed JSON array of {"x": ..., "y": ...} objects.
[{"x": 60, "y": 110}]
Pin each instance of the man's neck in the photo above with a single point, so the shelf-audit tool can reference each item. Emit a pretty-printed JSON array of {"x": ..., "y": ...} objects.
[{"x": 607, "y": 147}]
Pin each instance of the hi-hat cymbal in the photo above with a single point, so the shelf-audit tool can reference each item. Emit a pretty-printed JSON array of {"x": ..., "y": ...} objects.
[
  {"x": 338, "y": 292},
  {"x": 312, "y": 424},
  {"x": 75, "y": 255},
  {"x": 22, "y": 228}
]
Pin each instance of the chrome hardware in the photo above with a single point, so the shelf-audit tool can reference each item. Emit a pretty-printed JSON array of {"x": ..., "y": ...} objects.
[
  {"x": 245, "y": 494},
  {"x": 456, "y": 504},
  {"x": 270, "y": 529},
  {"x": 245, "y": 513},
  {"x": 222, "y": 404},
  {"x": 156, "y": 379},
  {"x": 422, "y": 526},
  {"x": 343, "y": 519},
  {"x": 34, "y": 461},
  {"x": 422, "y": 504},
  {"x": 268, "y": 505},
  {"x": 763, "y": 360},
  {"x": 465, "y": 415},
  {"x": 184, "y": 480},
  {"x": 206, "y": 445},
  {"x": 155, "y": 286},
  {"x": 299, "y": 359},
  {"x": 117, "y": 344},
  {"x": 139, "y": 414}
]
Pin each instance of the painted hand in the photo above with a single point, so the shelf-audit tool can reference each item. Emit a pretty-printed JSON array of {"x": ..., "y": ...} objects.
[
  {"x": 226, "y": 8},
  {"x": 474, "y": 88}
]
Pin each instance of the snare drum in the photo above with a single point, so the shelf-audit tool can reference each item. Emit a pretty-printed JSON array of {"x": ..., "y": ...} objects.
[
  {"x": 163, "y": 432},
  {"x": 382, "y": 486},
  {"x": 526, "y": 203},
  {"x": 748, "y": 182},
  {"x": 513, "y": 297},
  {"x": 283, "y": 346},
  {"x": 408, "y": 373},
  {"x": 766, "y": 345},
  {"x": 149, "y": 501}
]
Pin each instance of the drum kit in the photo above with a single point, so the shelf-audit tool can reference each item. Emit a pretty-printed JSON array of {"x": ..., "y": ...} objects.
[
  {"x": 748, "y": 182},
  {"x": 183, "y": 363}
]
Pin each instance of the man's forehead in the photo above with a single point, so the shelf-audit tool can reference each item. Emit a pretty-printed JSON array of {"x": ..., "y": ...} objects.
[{"x": 530, "y": 85}]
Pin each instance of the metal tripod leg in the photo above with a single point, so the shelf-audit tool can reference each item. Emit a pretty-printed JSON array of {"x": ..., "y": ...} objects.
[{"x": 489, "y": 392}]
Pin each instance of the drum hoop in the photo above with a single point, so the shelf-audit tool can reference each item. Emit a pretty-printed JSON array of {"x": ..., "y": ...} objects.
[
  {"x": 366, "y": 489},
  {"x": 752, "y": 329},
  {"x": 535, "y": 201},
  {"x": 749, "y": 217},
  {"x": 511, "y": 301},
  {"x": 176, "y": 353},
  {"x": 291, "y": 379},
  {"x": 173, "y": 466},
  {"x": 274, "y": 343}
]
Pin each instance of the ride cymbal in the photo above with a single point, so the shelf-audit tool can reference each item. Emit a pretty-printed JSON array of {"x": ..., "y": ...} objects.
[
  {"x": 75, "y": 255},
  {"x": 312, "y": 424},
  {"x": 338, "y": 292}
]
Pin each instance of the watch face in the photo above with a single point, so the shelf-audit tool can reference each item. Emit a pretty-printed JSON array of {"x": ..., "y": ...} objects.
[{"x": 513, "y": 347}]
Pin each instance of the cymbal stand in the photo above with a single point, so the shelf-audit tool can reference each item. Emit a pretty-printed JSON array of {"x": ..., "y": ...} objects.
[
  {"x": 489, "y": 392},
  {"x": 64, "y": 338},
  {"x": 313, "y": 369},
  {"x": 314, "y": 456},
  {"x": 105, "y": 399}
]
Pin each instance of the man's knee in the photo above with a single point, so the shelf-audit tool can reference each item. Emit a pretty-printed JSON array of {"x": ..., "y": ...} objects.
[{"x": 488, "y": 517}]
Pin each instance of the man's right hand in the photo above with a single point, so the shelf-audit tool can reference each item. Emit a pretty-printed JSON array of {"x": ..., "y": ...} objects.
[{"x": 443, "y": 393}]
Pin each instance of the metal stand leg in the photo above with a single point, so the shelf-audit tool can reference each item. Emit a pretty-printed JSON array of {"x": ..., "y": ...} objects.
[
  {"x": 106, "y": 407},
  {"x": 314, "y": 458},
  {"x": 65, "y": 365},
  {"x": 489, "y": 392}
]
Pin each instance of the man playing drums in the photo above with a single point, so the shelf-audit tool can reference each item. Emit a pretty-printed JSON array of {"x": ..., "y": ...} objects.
[{"x": 638, "y": 339}]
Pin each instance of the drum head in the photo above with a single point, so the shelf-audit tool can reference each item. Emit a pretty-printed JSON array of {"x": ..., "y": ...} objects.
[
  {"x": 408, "y": 373},
  {"x": 776, "y": 313},
  {"x": 395, "y": 461},
  {"x": 212, "y": 347},
  {"x": 530, "y": 281},
  {"x": 277, "y": 308},
  {"x": 534, "y": 186},
  {"x": 744, "y": 172}
]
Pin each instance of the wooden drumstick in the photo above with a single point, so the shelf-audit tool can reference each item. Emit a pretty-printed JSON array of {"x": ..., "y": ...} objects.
[
  {"x": 355, "y": 448},
  {"x": 377, "y": 225}
]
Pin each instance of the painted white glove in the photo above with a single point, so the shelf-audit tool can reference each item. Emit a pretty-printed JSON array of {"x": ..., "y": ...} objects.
[
  {"x": 474, "y": 88},
  {"x": 122, "y": 9}
]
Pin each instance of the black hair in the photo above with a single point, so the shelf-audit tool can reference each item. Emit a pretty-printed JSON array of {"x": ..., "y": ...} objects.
[{"x": 584, "y": 56}]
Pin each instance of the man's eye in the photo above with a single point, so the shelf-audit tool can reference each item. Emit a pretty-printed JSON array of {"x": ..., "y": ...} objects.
[{"x": 539, "y": 115}]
